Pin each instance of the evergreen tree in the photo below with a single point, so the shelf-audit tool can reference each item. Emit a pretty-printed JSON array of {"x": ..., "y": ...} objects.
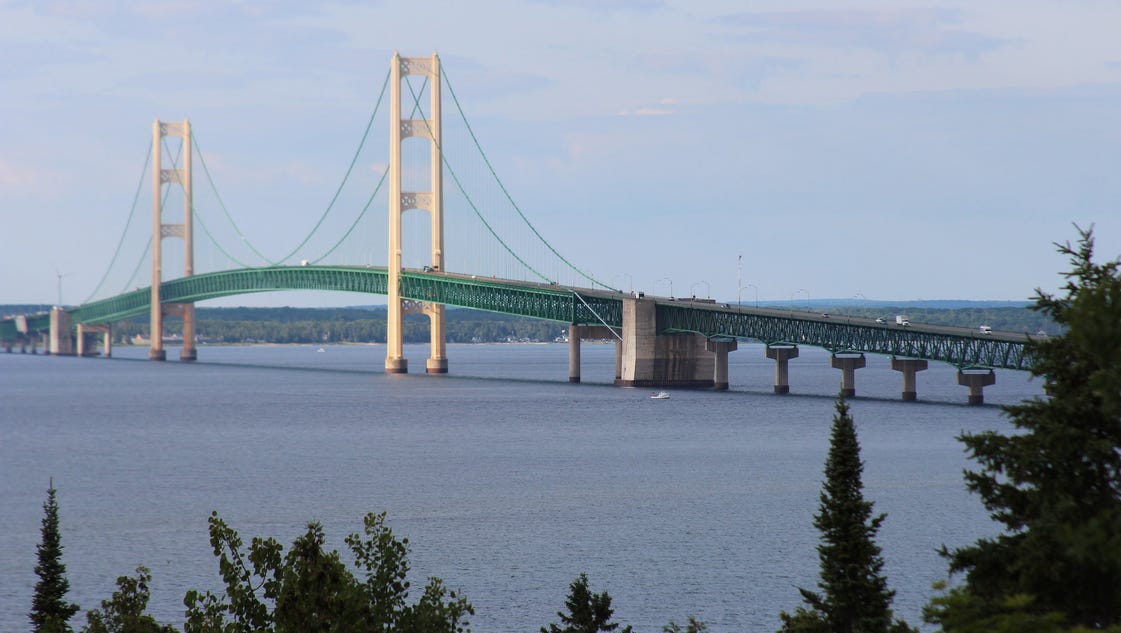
[
  {"x": 854, "y": 595},
  {"x": 587, "y": 612},
  {"x": 50, "y": 612},
  {"x": 1055, "y": 483}
]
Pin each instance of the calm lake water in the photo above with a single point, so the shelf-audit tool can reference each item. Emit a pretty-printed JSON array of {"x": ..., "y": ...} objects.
[{"x": 507, "y": 480}]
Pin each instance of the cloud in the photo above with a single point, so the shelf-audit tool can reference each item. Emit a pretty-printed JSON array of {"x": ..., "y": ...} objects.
[
  {"x": 14, "y": 176},
  {"x": 646, "y": 111},
  {"x": 895, "y": 31}
]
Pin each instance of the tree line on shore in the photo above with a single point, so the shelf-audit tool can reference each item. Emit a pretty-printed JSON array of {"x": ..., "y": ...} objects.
[{"x": 1053, "y": 486}]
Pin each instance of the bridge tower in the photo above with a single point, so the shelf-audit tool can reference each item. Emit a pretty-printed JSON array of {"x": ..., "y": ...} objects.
[
  {"x": 160, "y": 230},
  {"x": 401, "y": 201}
]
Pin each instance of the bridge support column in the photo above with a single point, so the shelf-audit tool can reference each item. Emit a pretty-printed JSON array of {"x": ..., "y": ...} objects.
[
  {"x": 160, "y": 230},
  {"x": 87, "y": 336},
  {"x": 976, "y": 381},
  {"x": 618, "y": 359},
  {"x": 574, "y": 353},
  {"x": 909, "y": 367},
  {"x": 189, "y": 352},
  {"x": 651, "y": 359},
  {"x": 61, "y": 342},
  {"x": 782, "y": 355},
  {"x": 429, "y": 128},
  {"x": 848, "y": 365},
  {"x": 721, "y": 349},
  {"x": 575, "y": 334}
]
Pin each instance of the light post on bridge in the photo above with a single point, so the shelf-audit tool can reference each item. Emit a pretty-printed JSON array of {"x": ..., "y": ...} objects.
[
  {"x": 630, "y": 280},
  {"x": 670, "y": 285},
  {"x": 708, "y": 289},
  {"x": 756, "y": 293},
  {"x": 795, "y": 293}
]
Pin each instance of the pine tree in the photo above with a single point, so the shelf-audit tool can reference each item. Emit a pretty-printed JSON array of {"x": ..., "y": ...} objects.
[
  {"x": 1055, "y": 483},
  {"x": 854, "y": 595},
  {"x": 587, "y": 612},
  {"x": 50, "y": 613}
]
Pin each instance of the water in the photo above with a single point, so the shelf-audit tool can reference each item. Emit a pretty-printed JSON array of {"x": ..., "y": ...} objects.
[{"x": 507, "y": 480}]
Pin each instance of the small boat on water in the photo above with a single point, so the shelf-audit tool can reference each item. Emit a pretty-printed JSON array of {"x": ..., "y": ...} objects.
[
  {"x": 660, "y": 395},
  {"x": 321, "y": 350}
]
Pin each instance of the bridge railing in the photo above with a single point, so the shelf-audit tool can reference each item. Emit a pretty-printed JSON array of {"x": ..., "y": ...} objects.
[{"x": 845, "y": 334}]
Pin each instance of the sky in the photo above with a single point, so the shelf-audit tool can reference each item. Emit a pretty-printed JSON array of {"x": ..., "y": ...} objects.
[{"x": 784, "y": 150}]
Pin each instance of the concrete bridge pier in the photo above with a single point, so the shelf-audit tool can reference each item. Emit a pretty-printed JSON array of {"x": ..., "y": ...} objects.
[
  {"x": 650, "y": 359},
  {"x": 848, "y": 364},
  {"x": 909, "y": 367},
  {"x": 721, "y": 347},
  {"x": 782, "y": 354},
  {"x": 618, "y": 359},
  {"x": 578, "y": 332},
  {"x": 87, "y": 339},
  {"x": 61, "y": 343},
  {"x": 574, "y": 354},
  {"x": 976, "y": 381}
]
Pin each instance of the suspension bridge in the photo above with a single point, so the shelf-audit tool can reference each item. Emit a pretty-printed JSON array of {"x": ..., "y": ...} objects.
[{"x": 498, "y": 261}]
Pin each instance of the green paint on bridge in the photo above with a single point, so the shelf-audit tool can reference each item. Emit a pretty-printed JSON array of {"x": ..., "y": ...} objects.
[{"x": 962, "y": 347}]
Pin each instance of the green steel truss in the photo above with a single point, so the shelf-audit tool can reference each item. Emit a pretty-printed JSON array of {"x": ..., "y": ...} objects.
[
  {"x": 553, "y": 303},
  {"x": 36, "y": 323},
  {"x": 962, "y": 347},
  {"x": 958, "y": 346}
]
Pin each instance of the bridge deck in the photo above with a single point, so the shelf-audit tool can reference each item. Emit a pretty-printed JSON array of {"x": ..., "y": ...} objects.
[{"x": 963, "y": 347}]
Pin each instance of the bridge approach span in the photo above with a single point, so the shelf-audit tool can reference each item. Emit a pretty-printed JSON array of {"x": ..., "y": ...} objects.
[{"x": 961, "y": 347}]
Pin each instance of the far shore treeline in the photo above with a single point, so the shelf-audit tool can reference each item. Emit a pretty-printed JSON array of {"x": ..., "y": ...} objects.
[{"x": 319, "y": 326}]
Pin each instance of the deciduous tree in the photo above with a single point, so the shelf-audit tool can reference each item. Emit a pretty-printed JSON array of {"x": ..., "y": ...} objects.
[
  {"x": 310, "y": 590},
  {"x": 124, "y": 612}
]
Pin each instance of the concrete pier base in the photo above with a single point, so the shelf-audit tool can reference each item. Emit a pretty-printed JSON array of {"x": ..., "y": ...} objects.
[
  {"x": 574, "y": 354},
  {"x": 396, "y": 365},
  {"x": 87, "y": 339},
  {"x": 577, "y": 333},
  {"x": 782, "y": 355},
  {"x": 62, "y": 344},
  {"x": 848, "y": 364},
  {"x": 976, "y": 381},
  {"x": 651, "y": 359},
  {"x": 721, "y": 349},
  {"x": 436, "y": 365},
  {"x": 618, "y": 359},
  {"x": 157, "y": 354},
  {"x": 188, "y": 354},
  {"x": 909, "y": 367}
]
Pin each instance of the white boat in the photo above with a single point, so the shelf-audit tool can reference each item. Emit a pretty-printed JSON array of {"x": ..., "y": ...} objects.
[
  {"x": 321, "y": 350},
  {"x": 661, "y": 395}
]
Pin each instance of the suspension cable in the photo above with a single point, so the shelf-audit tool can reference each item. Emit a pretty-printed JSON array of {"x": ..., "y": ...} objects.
[
  {"x": 470, "y": 202},
  {"x": 381, "y": 181},
  {"x": 507, "y": 193},
  {"x": 163, "y": 201},
  {"x": 222, "y": 204},
  {"x": 214, "y": 241},
  {"x": 349, "y": 169},
  {"x": 354, "y": 224},
  {"x": 128, "y": 223},
  {"x": 139, "y": 263},
  {"x": 596, "y": 315}
]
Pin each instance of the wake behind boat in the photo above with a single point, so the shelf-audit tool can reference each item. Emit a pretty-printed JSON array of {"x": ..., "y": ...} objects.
[{"x": 660, "y": 395}]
